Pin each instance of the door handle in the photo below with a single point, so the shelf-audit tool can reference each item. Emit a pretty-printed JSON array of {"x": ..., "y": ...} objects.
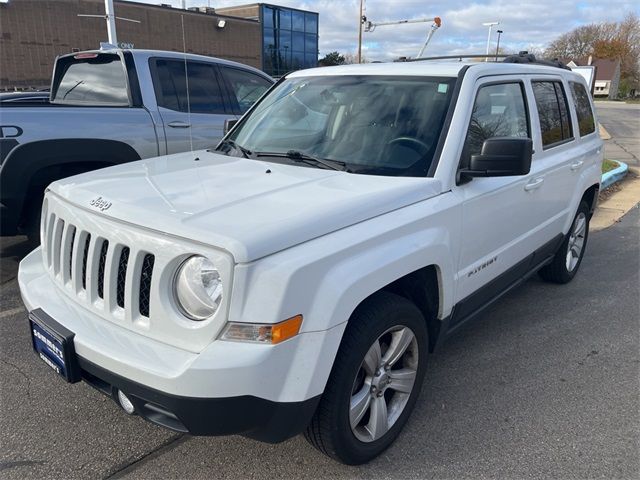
[
  {"x": 576, "y": 165},
  {"x": 178, "y": 124},
  {"x": 532, "y": 185}
]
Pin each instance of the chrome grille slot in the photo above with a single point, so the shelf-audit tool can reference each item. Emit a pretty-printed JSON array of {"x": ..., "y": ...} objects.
[
  {"x": 67, "y": 252},
  {"x": 122, "y": 276},
  {"x": 85, "y": 259},
  {"x": 49, "y": 239},
  {"x": 57, "y": 245},
  {"x": 102, "y": 261},
  {"x": 145, "y": 284}
]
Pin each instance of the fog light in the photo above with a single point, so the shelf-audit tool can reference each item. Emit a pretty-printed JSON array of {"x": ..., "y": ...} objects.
[{"x": 125, "y": 403}]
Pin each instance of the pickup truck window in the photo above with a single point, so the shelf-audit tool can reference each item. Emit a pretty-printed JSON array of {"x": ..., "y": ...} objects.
[
  {"x": 95, "y": 80},
  {"x": 553, "y": 112},
  {"x": 586, "y": 122},
  {"x": 246, "y": 87},
  {"x": 377, "y": 125},
  {"x": 170, "y": 85},
  {"x": 499, "y": 111}
]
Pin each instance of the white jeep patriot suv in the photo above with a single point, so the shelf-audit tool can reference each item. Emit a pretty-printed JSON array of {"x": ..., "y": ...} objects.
[{"x": 296, "y": 278}]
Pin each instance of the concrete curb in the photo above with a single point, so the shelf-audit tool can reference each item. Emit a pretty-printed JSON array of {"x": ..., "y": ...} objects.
[
  {"x": 615, "y": 175},
  {"x": 604, "y": 134}
]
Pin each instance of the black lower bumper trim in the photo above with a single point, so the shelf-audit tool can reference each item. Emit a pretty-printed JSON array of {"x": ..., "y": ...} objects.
[{"x": 250, "y": 416}]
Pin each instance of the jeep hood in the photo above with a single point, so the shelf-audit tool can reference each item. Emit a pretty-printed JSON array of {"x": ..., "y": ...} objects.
[{"x": 247, "y": 207}]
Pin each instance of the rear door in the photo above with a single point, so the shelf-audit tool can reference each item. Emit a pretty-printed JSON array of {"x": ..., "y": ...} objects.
[
  {"x": 555, "y": 161},
  {"x": 191, "y": 103},
  {"x": 245, "y": 87}
]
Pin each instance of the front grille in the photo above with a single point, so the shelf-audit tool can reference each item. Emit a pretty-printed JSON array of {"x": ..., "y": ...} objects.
[{"x": 100, "y": 265}]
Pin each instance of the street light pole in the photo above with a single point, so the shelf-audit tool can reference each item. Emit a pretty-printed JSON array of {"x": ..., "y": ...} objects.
[
  {"x": 500, "y": 32},
  {"x": 360, "y": 22},
  {"x": 490, "y": 25}
]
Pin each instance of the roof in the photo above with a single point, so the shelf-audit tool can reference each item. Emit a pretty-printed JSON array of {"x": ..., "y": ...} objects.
[
  {"x": 145, "y": 53},
  {"x": 605, "y": 68},
  {"x": 431, "y": 68}
]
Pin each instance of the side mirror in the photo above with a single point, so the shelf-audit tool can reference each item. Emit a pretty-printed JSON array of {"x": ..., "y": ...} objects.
[
  {"x": 229, "y": 123},
  {"x": 501, "y": 157}
]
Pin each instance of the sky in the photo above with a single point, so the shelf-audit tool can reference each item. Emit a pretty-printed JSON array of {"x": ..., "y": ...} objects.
[{"x": 526, "y": 24}]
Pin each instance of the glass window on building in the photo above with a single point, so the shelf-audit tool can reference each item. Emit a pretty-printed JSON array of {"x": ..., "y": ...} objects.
[
  {"x": 297, "y": 21},
  {"x": 268, "y": 17},
  {"x": 284, "y": 37},
  {"x": 297, "y": 60},
  {"x": 311, "y": 22},
  {"x": 269, "y": 38},
  {"x": 285, "y": 19},
  {"x": 290, "y": 40}
]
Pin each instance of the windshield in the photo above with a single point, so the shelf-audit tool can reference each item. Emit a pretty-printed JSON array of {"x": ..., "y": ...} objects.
[{"x": 370, "y": 124}]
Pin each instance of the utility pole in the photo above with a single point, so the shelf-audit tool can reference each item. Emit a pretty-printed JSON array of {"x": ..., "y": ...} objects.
[
  {"x": 361, "y": 20},
  {"x": 111, "y": 22},
  {"x": 490, "y": 25},
  {"x": 110, "y": 17}
]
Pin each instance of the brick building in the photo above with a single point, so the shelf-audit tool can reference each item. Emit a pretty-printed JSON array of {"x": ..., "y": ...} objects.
[{"x": 34, "y": 32}]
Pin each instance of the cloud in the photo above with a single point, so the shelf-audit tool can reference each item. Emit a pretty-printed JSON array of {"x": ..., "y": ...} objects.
[{"x": 525, "y": 24}]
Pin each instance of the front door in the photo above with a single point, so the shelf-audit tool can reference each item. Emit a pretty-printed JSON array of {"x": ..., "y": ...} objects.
[{"x": 496, "y": 210}]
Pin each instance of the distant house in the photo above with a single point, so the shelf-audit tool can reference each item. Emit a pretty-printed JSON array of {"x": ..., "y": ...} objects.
[{"x": 607, "y": 75}]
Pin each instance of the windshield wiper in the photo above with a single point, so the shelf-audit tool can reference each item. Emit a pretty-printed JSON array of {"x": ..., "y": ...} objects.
[
  {"x": 246, "y": 153},
  {"x": 302, "y": 157}
]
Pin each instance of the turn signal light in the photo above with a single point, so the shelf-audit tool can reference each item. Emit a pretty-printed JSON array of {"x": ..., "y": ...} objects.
[{"x": 261, "y": 333}]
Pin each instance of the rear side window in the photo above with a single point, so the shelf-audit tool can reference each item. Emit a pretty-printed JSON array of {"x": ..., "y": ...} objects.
[
  {"x": 499, "y": 111},
  {"x": 246, "y": 87},
  {"x": 97, "y": 80},
  {"x": 170, "y": 85},
  {"x": 553, "y": 112},
  {"x": 586, "y": 122}
]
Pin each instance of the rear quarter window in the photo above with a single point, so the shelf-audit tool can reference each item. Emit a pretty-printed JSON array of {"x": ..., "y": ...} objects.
[{"x": 586, "y": 121}]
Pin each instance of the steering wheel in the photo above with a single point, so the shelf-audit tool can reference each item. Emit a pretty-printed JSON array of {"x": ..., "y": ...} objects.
[{"x": 410, "y": 142}]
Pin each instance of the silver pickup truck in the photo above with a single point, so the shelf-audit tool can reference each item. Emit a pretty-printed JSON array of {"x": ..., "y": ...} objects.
[{"x": 114, "y": 106}]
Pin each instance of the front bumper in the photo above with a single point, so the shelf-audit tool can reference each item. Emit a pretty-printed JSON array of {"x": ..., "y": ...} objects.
[
  {"x": 262, "y": 391},
  {"x": 250, "y": 416}
]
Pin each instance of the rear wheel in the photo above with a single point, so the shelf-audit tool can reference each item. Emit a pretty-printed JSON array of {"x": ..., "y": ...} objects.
[
  {"x": 568, "y": 258},
  {"x": 375, "y": 381}
]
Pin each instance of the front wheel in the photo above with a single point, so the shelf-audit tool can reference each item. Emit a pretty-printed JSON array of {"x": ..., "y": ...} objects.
[
  {"x": 375, "y": 381},
  {"x": 568, "y": 258}
]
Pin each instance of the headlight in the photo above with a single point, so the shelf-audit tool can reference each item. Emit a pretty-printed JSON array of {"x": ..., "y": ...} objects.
[{"x": 198, "y": 288}]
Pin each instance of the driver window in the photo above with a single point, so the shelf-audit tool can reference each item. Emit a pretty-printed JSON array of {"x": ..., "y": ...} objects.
[{"x": 499, "y": 111}]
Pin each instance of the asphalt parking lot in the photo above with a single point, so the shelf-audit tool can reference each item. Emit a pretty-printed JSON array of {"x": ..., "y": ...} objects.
[{"x": 545, "y": 385}]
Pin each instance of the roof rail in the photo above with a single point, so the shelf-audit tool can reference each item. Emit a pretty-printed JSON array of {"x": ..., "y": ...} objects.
[
  {"x": 526, "y": 57},
  {"x": 522, "y": 57},
  {"x": 452, "y": 57}
]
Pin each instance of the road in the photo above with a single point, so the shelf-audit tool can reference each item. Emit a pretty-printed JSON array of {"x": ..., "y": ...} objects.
[
  {"x": 622, "y": 121},
  {"x": 544, "y": 385}
]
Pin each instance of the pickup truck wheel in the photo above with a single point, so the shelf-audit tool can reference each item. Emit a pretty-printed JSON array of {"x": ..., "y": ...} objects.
[
  {"x": 567, "y": 260},
  {"x": 375, "y": 381}
]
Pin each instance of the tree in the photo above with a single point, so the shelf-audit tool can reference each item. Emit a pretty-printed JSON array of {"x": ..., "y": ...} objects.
[
  {"x": 611, "y": 40},
  {"x": 330, "y": 59}
]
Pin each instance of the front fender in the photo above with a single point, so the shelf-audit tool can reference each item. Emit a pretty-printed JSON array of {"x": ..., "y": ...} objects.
[{"x": 327, "y": 278}]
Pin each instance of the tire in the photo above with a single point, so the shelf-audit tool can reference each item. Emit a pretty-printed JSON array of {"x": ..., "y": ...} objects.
[
  {"x": 562, "y": 269},
  {"x": 385, "y": 320}
]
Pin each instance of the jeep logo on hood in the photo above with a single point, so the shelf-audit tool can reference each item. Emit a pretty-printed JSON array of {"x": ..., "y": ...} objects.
[{"x": 100, "y": 204}]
